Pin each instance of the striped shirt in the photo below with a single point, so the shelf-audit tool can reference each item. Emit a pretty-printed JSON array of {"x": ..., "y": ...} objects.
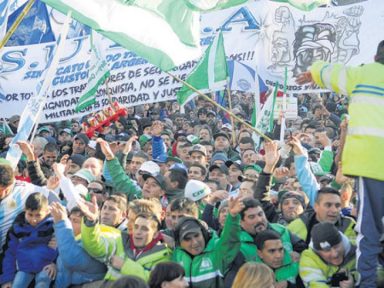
[{"x": 13, "y": 204}]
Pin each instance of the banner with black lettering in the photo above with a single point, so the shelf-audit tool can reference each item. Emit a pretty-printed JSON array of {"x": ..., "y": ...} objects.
[{"x": 269, "y": 37}]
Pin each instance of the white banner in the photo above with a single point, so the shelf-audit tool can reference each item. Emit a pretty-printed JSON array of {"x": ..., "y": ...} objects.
[{"x": 270, "y": 37}]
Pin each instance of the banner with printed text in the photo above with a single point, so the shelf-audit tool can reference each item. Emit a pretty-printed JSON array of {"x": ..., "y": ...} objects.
[{"x": 265, "y": 34}]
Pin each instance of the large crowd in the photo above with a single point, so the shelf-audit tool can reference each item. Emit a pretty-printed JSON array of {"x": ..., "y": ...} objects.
[{"x": 167, "y": 199}]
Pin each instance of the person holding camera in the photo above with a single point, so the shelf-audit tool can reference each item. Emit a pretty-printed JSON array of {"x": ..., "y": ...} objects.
[{"x": 330, "y": 261}]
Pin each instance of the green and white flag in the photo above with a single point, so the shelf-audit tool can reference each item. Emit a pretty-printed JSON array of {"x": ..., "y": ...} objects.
[
  {"x": 265, "y": 116},
  {"x": 209, "y": 75},
  {"x": 164, "y": 32},
  {"x": 98, "y": 72},
  {"x": 305, "y": 5}
]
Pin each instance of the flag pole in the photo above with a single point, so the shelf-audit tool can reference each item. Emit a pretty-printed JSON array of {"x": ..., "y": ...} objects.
[
  {"x": 16, "y": 23},
  {"x": 230, "y": 108},
  {"x": 52, "y": 70},
  {"x": 220, "y": 107}
]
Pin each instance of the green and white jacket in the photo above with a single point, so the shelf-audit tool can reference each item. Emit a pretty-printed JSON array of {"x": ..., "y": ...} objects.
[{"x": 207, "y": 269}]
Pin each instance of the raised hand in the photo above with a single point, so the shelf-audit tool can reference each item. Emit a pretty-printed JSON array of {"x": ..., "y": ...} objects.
[
  {"x": 106, "y": 149},
  {"x": 27, "y": 150},
  {"x": 235, "y": 205},
  {"x": 271, "y": 156},
  {"x": 297, "y": 148},
  {"x": 59, "y": 169},
  {"x": 58, "y": 212},
  {"x": 128, "y": 146},
  {"x": 89, "y": 209}
]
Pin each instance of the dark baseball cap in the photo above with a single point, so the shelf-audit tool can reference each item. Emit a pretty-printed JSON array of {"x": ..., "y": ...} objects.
[{"x": 158, "y": 177}]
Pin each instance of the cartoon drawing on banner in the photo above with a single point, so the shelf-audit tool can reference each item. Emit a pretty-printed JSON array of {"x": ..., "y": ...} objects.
[
  {"x": 313, "y": 42},
  {"x": 347, "y": 34},
  {"x": 281, "y": 53}
]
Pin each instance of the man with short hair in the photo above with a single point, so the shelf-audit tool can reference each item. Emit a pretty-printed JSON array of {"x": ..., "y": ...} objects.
[
  {"x": 222, "y": 143},
  {"x": 235, "y": 169},
  {"x": 154, "y": 187},
  {"x": 197, "y": 172},
  {"x": 330, "y": 260},
  {"x": 327, "y": 208},
  {"x": 270, "y": 250},
  {"x": 138, "y": 158},
  {"x": 113, "y": 212},
  {"x": 198, "y": 154},
  {"x": 80, "y": 142},
  {"x": 175, "y": 180},
  {"x": 246, "y": 143},
  {"x": 124, "y": 254}
]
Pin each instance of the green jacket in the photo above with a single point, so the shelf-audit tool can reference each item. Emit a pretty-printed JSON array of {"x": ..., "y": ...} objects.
[
  {"x": 315, "y": 273},
  {"x": 289, "y": 270},
  {"x": 300, "y": 226},
  {"x": 103, "y": 245},
  {"x": 207, "y": 269},
  {"x": 122, "y": 182}
]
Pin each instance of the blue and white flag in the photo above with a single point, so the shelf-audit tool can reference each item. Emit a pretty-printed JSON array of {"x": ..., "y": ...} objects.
[
  {"x": 7, "y": 7},
  {"x": 31, "y": 113},
  {"x": 35, "y": 28},
  {"x": 242, "y": 77}
]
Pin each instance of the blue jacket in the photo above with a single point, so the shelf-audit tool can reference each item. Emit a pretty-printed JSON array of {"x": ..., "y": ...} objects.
[
  {"x": 27, "y": 248},
  {"x": 158, "y": 147},
  {"x": 306, "y": 178},
  {"x": 74, "y": 265}
]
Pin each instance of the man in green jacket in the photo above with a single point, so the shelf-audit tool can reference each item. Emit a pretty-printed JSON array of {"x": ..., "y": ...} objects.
[
  {"x": 204, "y": 256},
  {"x": 125, "y": 254}
]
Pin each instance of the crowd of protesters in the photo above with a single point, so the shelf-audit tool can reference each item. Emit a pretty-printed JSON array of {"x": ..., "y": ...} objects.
[{"x": 162, "y": 198}]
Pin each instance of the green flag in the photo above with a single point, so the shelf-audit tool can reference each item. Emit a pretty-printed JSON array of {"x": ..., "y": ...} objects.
[
  {"x": 164, "y": 32},
  {"x": 97, "y": 74},
  {"x": 210, "y": 74}
]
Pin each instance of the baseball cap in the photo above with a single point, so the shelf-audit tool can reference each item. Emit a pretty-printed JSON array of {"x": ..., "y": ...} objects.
[
  {"x": 219, "y": 156},
  {"x": 227, "y": 126},
  {"x": 223, "y": 168},
  {"x": 188, "y": 226},
  {"x": 66, "y": 130},
  {"x": 221, "y": 133},
  {"x": 237, "y": 163},
  {"x": 198, "y": 148},
  {"x": 196, "y": 190},
  {"x": 123, "y": 136},
  {"x": 43, "y": 129},
  {"x": 144, "y": 139},
  {"x": 82, "y": 137},
  {"x": 179, "y": 167},
  {"x": 325, "y": 236},
  {"x": 149, "y": 167},
  {"x": 175, "y": 159},
  {"x": 78, "y": 159},
  {"x": 86, "y": 175},
  {"x": 158, "y": 177}
]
